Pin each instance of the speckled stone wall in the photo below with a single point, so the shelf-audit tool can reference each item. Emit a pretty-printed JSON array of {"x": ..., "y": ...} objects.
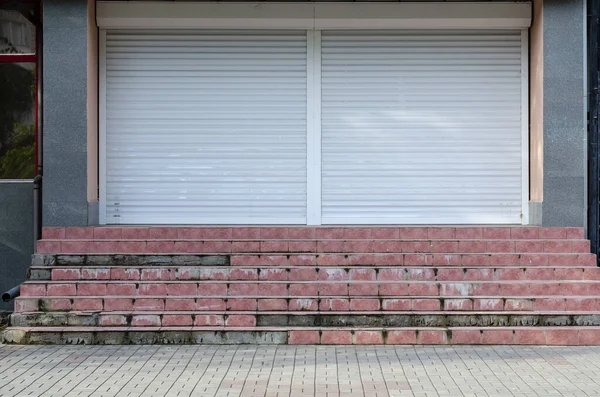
[
  {"x": 16, "y": 234},
  {"x": 564, "y": 118},
  {"x": 65, "y": 115}
]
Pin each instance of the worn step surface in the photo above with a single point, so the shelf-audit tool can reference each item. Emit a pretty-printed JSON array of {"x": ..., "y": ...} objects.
[
  {"x": 583, "y": 336},
  {"x": 415, "y": 285},
  {"x": 329, "y": 259},
  {"x": 314, "y": 246},
  {"x": 198, "y": 318},
  {"x": 311, "y": 273},
  {"x": 296, "y": 289},
  {"x": 309, "y": 232},
  {"x": 295, "y": 240},
  {"x": 309, "y": 303}
]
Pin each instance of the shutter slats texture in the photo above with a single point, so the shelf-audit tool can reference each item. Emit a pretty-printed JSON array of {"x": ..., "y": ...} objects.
[
  {"x": 210, "y": 127},
  {"x": 206, "y": 127},
  {"x": 421, "y": 127}
]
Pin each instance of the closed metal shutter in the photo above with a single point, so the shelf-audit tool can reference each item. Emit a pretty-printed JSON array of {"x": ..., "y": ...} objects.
[
  {"x": 205, "y": 127},
  {"x": 421, "y": 127}
]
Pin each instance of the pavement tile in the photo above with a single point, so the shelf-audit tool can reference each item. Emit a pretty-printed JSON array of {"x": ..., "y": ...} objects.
[{"x": 303, "y": 370}]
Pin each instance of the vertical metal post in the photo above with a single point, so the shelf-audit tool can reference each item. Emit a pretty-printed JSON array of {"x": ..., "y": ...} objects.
[
  {"x": 593, "y": 161},
  {"x": 37, "y": 182}
]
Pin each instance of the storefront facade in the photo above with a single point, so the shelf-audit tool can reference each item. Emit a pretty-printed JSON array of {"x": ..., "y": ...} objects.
[{"x": 314, "y": 113}]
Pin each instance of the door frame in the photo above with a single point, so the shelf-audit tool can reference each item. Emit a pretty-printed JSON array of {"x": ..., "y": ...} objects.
[{"x": 313, "y": 18}]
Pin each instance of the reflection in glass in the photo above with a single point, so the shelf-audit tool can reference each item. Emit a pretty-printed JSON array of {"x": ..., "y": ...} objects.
[
  {"x": 17, "y": 120},
  {"x": 17, "y": 34}
]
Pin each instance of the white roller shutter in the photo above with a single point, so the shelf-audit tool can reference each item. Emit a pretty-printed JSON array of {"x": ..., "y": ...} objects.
[
  {"x": 421, "y": 127},
  {"x": 205, "y": 127}
]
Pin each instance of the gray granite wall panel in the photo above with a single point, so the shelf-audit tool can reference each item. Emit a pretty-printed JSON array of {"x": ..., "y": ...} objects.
[
  {"x": 16, "y": 234},
  {"x": 564, "y": 121},
  {"x": 65, "y": 114}
]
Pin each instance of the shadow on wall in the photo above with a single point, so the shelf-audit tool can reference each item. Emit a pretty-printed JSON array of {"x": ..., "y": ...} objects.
[{"x": 16, "y": 234}]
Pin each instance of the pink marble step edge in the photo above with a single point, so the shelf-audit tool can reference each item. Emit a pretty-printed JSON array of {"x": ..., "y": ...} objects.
[
  {"x": 314, "y": 273},
  {"x": 331, "y": 303},
  {"x": 308, "y": 232},
  {"x": 249, "y": 319},
  {"x": 439, "y": 259},
  {"x": 313, "y": 247}
]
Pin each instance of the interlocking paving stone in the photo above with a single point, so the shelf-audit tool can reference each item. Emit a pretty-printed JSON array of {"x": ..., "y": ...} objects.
[{"x": 298, "y": 371}]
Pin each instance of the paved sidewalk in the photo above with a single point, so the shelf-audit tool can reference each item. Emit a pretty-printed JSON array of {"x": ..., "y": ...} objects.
[{"x": 297, "y": 371}]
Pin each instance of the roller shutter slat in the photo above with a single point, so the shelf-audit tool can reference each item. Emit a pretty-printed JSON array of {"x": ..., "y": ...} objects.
[
  {"x": 205, "y": 127},
  {"x": 421, "y": 127}
]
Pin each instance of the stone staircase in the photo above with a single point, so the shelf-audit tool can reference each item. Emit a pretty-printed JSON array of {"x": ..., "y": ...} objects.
[{"x": 299, "y": 285}]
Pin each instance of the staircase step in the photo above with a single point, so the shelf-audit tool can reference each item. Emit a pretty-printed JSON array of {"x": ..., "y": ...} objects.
[
  {"x": 356, "y": 246},
  {"x": 309, "y": 303},
  {"x": 308, "y": 232},
  {"x": 303, "y": 259},
  {"x": 568, "y": 336},
  {"x": 363, "y": 285},
  {"x": 137, "y": 319},
  {"x": 291, "y": 289},
  {"x": 311, "y": 273}
]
